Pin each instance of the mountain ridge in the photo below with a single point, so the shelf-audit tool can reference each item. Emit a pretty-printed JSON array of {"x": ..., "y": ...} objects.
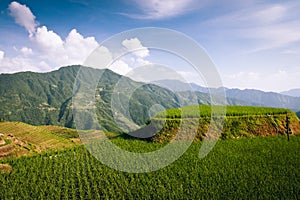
[
  {"x": 46, "y": 98},
  {"x": 247, "y": 96},
  {"x": 293, "y": 92}
]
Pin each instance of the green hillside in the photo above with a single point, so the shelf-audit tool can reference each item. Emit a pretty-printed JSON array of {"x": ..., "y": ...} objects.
[
  {"x": 240, "y": 121},
  {"x": 46, "y": 98}
]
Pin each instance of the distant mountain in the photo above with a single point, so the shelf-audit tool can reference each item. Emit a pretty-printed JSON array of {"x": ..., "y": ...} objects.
[
  {"x": 46, "y": 98},
  {"x": 178, "y": 86},
  {"x": 293, "y": 93},
  {"x": 260, "y": 98},
  {"x": 240, "y": 97}
]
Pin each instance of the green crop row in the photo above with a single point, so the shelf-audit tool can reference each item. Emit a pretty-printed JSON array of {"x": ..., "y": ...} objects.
[
  {"x": 248, "y": 168},
  {"x": 196, "y": 111}
]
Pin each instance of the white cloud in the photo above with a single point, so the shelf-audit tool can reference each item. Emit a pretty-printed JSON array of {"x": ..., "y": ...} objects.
[
  {"x": 1, "y": 55},
  {"x": 26, "y": 51},
  {"x": 141, "y": 62},
  {"x": 270, "y": 14},
  {"x": 152, "y": 73},
  {"x": 20, "y": 63},
  {"x": 265, "y": 26},
  {"x": 48, "y": 46},
  {"x": 128, "y": 62},
  {"x": 158, "y": 9},
  {"x": 23, "y": 16},
  {"x": 73, "y": 50},
  {"x": 136, "y": 47},
  {"x": 47, "y": 40},
  {"x": 100, "y": 58},
  {"x": 120, "y": 67},
  {"x": 78, "y": 47},
  {"x": 192, "y": 77},
  {"x": 277, "y": 81},
  {"x": 50, "y": 49},
  {"x": 291, "y": 52}
]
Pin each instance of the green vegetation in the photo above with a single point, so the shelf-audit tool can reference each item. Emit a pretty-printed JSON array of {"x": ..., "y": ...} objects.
[
  {"x": 46, "y": 98},
  {"x": 23, "y": 139},
  {"x": 247, "y": 168},
  {"x": 240, "y": 121},
  {"x": 205, "y": 111}
]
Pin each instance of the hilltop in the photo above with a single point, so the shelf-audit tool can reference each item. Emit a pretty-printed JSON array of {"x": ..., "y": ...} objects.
[{"x": 240, "y": 121}]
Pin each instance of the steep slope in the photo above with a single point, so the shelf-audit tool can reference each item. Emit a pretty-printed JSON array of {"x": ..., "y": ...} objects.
[
  {"x": 38, "y": 98},
  {"x": 18, "y": 139},
  {"x": 240, "y": 121},
  {"x": 46, "y": 98}
]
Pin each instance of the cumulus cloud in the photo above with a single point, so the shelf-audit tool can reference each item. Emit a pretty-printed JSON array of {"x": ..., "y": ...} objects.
[
  {"x": 135, "y": 45},
  {"x": 135, "y": 58},
  {"x": 51, "y": 51},
  {"x": 1, "y": 55},
  {"x": 120, "y": 67},
  {"x": 47, "y": 40},
  {"x": 23, "y": 16},
  {"x": 73, "y": 50},
  {"x": 26, "y": 51},
  {"x": 78, "y": 47},
  {"x": 48, "y": 46},
  {"x": 20, "y": 63}
]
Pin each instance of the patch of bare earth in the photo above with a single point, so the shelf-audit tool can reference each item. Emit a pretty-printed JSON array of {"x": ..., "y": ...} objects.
[{"x": 5, "y": 168}]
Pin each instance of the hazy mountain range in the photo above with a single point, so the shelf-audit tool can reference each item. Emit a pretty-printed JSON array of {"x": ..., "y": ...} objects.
[
  {"x": 293, "y": 93},
  {"x": 46, "y": 98},
  {"x": 245, "y": 97}
]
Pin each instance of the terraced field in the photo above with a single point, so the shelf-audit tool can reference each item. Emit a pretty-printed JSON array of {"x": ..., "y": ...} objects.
[
  {"x": 239, "y": 121},
  {"x": 20, "y": 139},
  {"x": 245, "y": 168}
]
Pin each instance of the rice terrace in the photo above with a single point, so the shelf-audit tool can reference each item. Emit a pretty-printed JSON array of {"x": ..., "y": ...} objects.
[
  {"x": 256, "y": 165},
  {"x": 149, "y": 99}
]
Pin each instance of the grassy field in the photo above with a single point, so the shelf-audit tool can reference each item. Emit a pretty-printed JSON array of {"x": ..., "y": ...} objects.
[
  {"x": 205, "y": 110},
  {"x": 246, "y": 168},
  {"x": 24, "y": 139}
]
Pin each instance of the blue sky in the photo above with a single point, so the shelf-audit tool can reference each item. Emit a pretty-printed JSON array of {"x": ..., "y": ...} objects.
[{"x": 253, "y": 43}]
